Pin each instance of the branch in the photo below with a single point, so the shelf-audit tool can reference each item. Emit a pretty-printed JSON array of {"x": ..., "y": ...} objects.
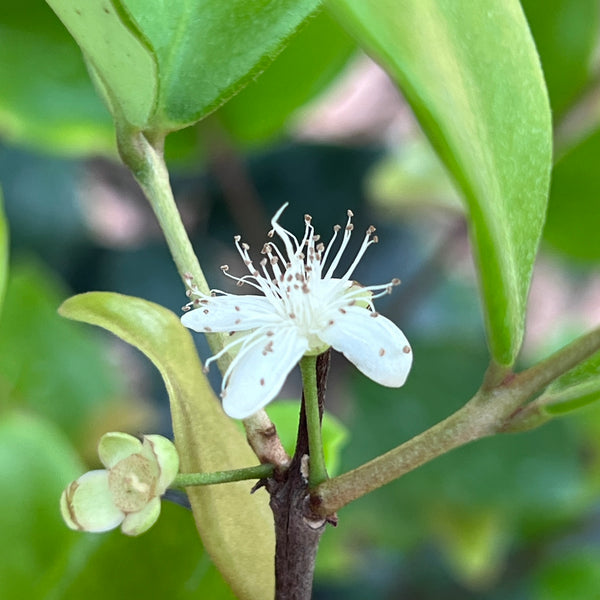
[{"x": 485, "y": 414}]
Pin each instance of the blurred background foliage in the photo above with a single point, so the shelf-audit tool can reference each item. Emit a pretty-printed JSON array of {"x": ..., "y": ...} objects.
[{"x": 506, "y": 518}]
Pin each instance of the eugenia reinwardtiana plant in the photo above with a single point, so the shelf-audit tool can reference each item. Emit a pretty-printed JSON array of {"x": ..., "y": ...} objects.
[{"x": 473, "y": 77}]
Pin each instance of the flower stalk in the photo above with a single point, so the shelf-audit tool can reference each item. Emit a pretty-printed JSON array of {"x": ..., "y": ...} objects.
[
  {"x": 317, "y": 470},
  {"x": 183, "y": 480}
]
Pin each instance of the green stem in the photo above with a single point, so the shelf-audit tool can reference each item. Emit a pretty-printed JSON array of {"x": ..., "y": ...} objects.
[
  {"x": 147, "y": 163},
  {"x": 257, "y": 472},
  {"x": 318, "y": 470}
]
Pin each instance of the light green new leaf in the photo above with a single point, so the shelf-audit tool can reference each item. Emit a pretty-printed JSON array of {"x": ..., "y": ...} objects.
[
  {"x": 3, "y": 251},
  {"x": 472, "y": 75},
  {"x": 236, "y": 527}
]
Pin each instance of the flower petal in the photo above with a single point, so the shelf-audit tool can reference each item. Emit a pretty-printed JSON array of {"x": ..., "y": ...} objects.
[
  {"x": 138, "y": 522},
  {"x": 87, "y": 505},
  {"x": 116, "y": 446},
  {"x": 373, "y": 343},
  {"x": 230, "y": 313},
  {"x": 168, "y": 460},
  {"x": 261, "y": 372}
]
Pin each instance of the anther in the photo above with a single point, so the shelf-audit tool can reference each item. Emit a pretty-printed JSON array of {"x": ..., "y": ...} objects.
[
  {"x": 336, "y": 228},
  {"x": 381, "y": 351},
  {"x": 224, "y": 268},
  {"x": 374, "y": 314},
  {"x": 245, "y": 246},
  {"x": 375, "y": 239},
  {"x": 271, "y": 233},
  {"x": 396, "y": 281},
  {"x": 406, "y": 349},
  {"x": 349, "y": 213},
  {"x": 349, "y": 227},
  {"x": 237, "y": 238},
  {"x": 371, "y": 229},
  {"x": 307, "y": 218}
]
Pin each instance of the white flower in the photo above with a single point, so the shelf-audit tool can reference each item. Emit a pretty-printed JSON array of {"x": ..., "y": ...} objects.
[
  {"x": 303, "y": 309},
  {"x": 128, "y": 491}
]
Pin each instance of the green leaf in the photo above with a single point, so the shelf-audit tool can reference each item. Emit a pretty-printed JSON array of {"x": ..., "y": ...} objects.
[
  {"x": 472, "y": 75},
  {"x": 236, "y": 527},
  {"x": 577, "y": 388},
  {"x": 47, "y": 100},
  {"x": 165, "y": 66},
  {"x": 573, "y": 220},
  {"x": 3, "y": 252},
  {"x": 285, "y": 415},
  {"x": 566, "y": 34}
]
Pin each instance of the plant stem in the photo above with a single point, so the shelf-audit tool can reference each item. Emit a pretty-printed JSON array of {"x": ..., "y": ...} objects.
[
  {"x": 487, "y": 413},
  {"x": 257, "y": 472},
  {"x": 318, "y": 470}
]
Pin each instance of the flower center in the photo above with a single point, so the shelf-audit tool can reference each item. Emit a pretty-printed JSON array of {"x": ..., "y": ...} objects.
[{"x": 132, "y": 482}]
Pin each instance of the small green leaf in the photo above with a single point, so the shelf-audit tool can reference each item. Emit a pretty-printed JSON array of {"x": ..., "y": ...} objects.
[
  {"x": 285, "y": 415},
  {"x": 118, "y": 53},
  {"x": 3, "y": 252},
  {"x": 573, "y": 220},
  {"x": 577, "y": 388},
  {"x": 472, "y": 75},
  {"x": 236, "y": 527}
]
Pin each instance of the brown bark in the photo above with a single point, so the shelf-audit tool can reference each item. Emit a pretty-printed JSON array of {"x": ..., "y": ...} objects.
[{"x": 298, "y": 529}]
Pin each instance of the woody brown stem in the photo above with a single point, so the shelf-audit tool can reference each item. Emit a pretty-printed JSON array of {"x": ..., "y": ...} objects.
[{"x": 298, "y": 529}]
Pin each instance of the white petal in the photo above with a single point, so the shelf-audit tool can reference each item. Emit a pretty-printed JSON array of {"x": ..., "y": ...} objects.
[
  {"x": 373, "y": 343},
  {"x": 230, "y": 313},
  {"x": 140, "y": 521},
  {"x": 116, "y": 446},
  {"x": 261, "y": 372},
  {"x": 87, "y": 505},
  {"x": 166, "y": 455}
]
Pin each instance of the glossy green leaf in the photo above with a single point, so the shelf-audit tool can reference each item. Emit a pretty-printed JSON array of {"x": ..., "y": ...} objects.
[
  {"x": 285, "y": 415},
  {"x": 164, "y": 66},
  {"x": 302, "y": 70},
  {"x": 3, "y": 252},
  {"x": 472, "y": 75},
  {"x": 47, "y": 100},
  {"x": 236, "y": 527},
  {"x": 566, "y": 33},
  {"x": 573, "y": 220}
]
